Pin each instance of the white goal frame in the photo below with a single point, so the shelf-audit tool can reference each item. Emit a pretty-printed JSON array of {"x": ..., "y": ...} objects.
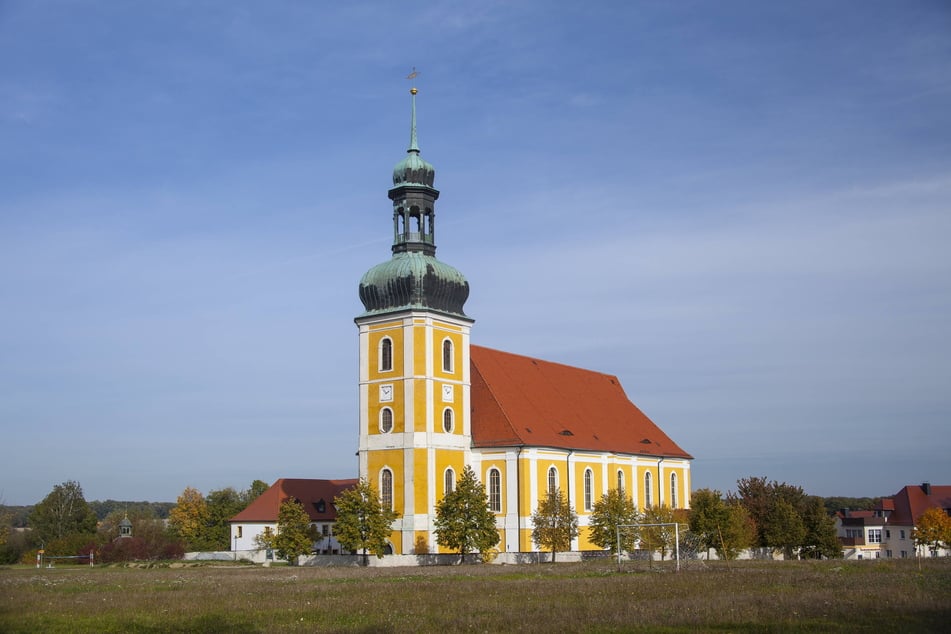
[{"x": 676, "y": 526}]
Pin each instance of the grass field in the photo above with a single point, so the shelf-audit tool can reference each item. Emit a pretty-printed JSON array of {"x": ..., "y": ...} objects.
[{"x": 828, "y": 596}]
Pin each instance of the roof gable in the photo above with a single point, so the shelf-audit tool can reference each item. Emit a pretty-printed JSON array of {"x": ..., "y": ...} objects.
[
  {"x": 519, "y": 400},
  {"x": 317, "y": 497},
  {"x": 912, "y": 501}
]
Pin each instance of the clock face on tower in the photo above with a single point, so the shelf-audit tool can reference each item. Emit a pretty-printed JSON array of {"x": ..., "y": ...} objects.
[
  {"x": 386, "y": 392},
  {"x": 447, "y": 393}
]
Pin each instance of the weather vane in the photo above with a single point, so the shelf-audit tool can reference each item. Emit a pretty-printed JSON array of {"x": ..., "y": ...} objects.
[{"x": 411, "y": 76}]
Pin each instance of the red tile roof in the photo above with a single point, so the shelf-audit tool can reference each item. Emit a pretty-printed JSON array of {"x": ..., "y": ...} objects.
[
  {"x": 308, "y": 492},
  {"x": 912, "y": 501},
  {"x": 519, "y": 401}
]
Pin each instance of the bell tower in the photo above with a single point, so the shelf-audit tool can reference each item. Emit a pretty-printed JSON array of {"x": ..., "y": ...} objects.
[{"x": 415, "y": 435}]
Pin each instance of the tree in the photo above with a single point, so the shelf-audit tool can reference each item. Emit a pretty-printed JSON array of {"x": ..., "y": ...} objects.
[
  {"x": 708, "y": 514},
  {"x": 189, "y": 519},
  {"x": 223, "y": 504},
  {"x": 760, "y": 497},
  {"x": 614, "y": 509},
  {"x": 463, "y": 520},
  {"x": 933, "y": 529},
  {"x": 254, "y": 491},
  {"x": 659, "y": 538},
  {"x": 784, "y": 528},
  {"x": 820, "y": 538},
  {"x": 294, "y": 535},
  {"x": 63, "y": 513},
  {"x": 723, "y": 525},
  {"x": 555, "y": 523},
  {"x": 363, "y": 524}
]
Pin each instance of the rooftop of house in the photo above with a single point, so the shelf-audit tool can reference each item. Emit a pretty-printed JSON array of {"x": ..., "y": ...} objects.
[
  {"x": 317, "y": 497},
  {"x": 906, "y": 506},
  {"x": 522, "y": 401}
]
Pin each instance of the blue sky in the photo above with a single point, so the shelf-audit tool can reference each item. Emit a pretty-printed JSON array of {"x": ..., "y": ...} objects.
[{"x": 742, "y": 209}]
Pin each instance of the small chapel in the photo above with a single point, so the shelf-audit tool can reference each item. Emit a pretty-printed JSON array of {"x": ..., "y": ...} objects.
[{"x": 432, "y": 403}]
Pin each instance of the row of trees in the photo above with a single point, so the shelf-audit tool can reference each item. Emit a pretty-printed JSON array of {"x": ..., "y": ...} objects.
[{"x": 201, "y": 521}]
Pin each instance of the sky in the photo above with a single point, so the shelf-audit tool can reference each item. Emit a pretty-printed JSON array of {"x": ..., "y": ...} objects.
[{"x": 741, "y": 209}]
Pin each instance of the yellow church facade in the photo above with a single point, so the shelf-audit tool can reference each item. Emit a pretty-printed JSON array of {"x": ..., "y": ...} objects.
[{"x": 432, "y": 403}]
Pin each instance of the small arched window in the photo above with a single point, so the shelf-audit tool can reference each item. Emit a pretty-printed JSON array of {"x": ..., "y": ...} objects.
[
  {"x": 495, "y": 491},
  {"x": 588, "y": 486},
  {"x": 447, "y": 420},
  {"x": 620, "y": 481},
  {"x": 386, "y": 420},
  {"x": 552, "y": 479},
  {"x": 449, "y": 481},
  {"x": 386, "y": 489},
  {"x": 386, "y": 354},
  {"x": 673, "y": 490},
  {"x": 447, "y": 355},
  {"x": 647, "y": 489}
]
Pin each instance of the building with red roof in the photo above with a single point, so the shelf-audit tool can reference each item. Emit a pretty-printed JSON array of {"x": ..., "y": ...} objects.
[{"x": 888, "y": 530}]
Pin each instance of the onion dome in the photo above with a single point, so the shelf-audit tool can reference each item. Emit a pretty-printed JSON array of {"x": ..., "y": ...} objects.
[{"x": 414, "y": 280}]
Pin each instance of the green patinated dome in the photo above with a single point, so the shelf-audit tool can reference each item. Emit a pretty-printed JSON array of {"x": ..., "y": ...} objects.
[
  {"x": 414, "y": 280},
  {"x": 413, "y": 170}
]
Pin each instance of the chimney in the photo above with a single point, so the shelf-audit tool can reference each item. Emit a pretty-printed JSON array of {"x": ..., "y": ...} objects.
[{"x": 926, "y": 487}]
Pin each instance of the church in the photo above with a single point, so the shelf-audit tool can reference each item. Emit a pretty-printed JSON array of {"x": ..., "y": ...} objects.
[{"x": 431, "y": 402}]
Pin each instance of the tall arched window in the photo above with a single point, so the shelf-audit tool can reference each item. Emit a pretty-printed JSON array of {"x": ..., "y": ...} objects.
[
  {"x": 386, "y": 354},
  {"x": 447, "y": 355},
  {"x": 449, "y": 481},
  {"x": 552, "y": 479},
  {"x": 620, "y": 481},
  {"x": 647, "y": 489},
  {"x": 386, "y": 420},
  {"x": 386, "y": 489},
  {"x": 495, "y": 491},
  {"x": 447, "y": 420},
  {"x": 673, "y": 490},
  {"x": 588, "y": 493}
]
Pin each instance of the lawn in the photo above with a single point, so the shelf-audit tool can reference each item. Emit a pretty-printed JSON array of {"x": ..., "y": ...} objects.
[{"x": 828, "y": 596}]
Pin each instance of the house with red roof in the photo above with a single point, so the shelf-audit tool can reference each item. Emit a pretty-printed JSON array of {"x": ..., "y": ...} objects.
[
  {"x": 316, "y": 496},
  {"x": 888, "y": 530}
]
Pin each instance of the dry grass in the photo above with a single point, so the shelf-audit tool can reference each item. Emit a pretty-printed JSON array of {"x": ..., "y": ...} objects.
[{"x": 745, "y": 596}]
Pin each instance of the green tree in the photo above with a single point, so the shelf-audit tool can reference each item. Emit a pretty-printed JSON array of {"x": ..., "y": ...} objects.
[
  {"x": 614, "y": 509},
  {"x": 708, "y": 515},
  {"x": 254, "y": 492},
  {"x": 820, "y": 538},
  {"x": 363, "y": 524},
  {"x": 659, "y": 538},
  {"x": 463, "y": 520},
  {"x": 736, "y": 533},
  {"x": 222, "y": 504},
  {"x": 933, "y": 529},
  {"x": 554, "y": 523},
  {"x": 294, "y": 535},
  {"x": 784, "y": 528},
  {"x": 189, "y": 519},
  {"x": 63, "y": 513}
]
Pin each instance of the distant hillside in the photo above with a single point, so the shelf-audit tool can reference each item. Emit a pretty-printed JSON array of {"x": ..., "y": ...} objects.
[{"x": 20, "y": 514}]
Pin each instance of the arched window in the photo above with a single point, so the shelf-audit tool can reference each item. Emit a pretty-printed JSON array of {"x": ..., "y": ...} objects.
[
  {"x": 386, "y": 354},
  {"x": 450, "y": 481},
  {"x": 620, "y": 481},
  {"x": 447, "y": 420},
  {"x": 552, "y": 479},
  {"x": 386, "y": 420},
  {"x": 588, "y": 493},
  {"x": 446, "y": 355},
  {"x": 647, "y": 489},
  {"x": 673, "y": 490},
  {"x": 495, "y": 491},
  {"x": 386, "y": 489}
]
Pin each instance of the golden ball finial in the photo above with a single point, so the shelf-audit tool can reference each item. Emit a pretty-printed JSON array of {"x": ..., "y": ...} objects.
[{"x": 413, "y": 91}]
